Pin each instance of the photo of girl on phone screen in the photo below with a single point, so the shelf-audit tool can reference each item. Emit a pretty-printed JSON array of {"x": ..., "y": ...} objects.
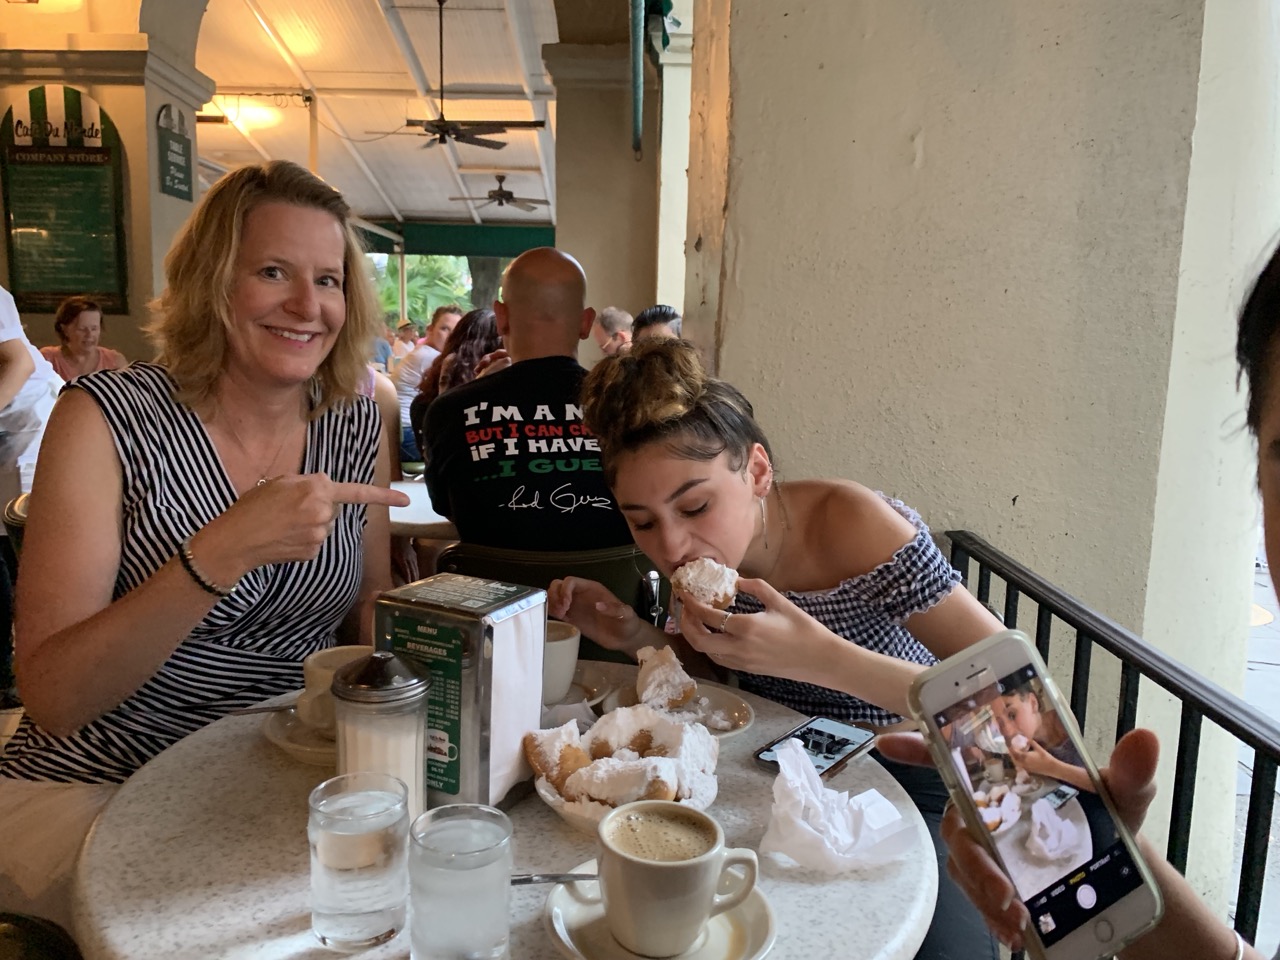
[{"x": 1036, "y": 800}]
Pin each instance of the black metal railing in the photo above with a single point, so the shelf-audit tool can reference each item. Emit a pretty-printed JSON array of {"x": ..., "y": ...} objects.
[{"x": 1200, "y": 698}]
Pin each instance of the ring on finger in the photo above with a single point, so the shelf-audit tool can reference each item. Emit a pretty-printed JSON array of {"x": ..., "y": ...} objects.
[{"x": 724, "y": 621}]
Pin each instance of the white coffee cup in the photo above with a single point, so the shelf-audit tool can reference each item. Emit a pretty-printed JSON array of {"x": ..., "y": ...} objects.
[
  {"x": 315, "y": 705},
  {"x": 660, "y": 868},
  {"x": 559, "y": 660}
]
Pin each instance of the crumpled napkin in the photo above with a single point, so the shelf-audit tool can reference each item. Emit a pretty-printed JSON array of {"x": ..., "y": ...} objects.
[
  {"x": 825, "y": 829},
  {"x": 562, "y": 713},
  {"x": 1051, "y": 837}
]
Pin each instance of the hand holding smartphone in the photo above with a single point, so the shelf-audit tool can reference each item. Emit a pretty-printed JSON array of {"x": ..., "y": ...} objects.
[{"x": 1009, "y": 751}]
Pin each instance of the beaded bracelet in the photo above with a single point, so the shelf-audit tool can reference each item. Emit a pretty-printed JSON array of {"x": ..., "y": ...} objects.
[{"x": 203, "y": 582}]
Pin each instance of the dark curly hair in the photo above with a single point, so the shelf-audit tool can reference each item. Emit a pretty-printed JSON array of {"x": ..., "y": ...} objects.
[
  {"x": 475, "y": 335},
  {"x": 1256, "y": 338},
  {"x": 660, "y": 392}
]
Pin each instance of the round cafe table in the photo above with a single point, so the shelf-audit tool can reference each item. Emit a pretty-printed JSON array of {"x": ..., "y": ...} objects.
[
  {"x": 418, "y": 519},
  {"x": 203, "y": 853}
]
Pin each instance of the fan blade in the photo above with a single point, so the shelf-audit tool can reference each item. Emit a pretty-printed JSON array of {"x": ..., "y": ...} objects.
[
  {"x": 524, "y": 205},
  {"x": 473, "y": 199},
  {"x": 534, "y": 202},
  {"x": 479, "y": 127},
  {"x": 504, "y": 124},
  {"x": 480, "y": 142}
]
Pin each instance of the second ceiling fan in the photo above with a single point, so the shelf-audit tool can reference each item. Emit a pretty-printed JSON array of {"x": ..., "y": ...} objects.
[{"x": 473, "y": 132}]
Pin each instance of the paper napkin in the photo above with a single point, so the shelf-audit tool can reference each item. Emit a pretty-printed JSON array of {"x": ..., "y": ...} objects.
[
  {"x": 826, "y": 829},
  {"x": 1051, "y": 837}
]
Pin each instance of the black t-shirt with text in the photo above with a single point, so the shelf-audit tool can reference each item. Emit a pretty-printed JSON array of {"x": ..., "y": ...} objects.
[{"x": 510, "y": 462}]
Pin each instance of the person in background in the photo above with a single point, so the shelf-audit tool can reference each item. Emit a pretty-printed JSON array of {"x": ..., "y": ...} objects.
[
  {"x": 612, "y": 331},
  {"x": 378, "y": 387},
  {"x": 405, "y": 340},
  {"x": 411, "y": 369},
  {"x": 79, "y": 325},
  {"x": 28, "y": 388},
  {"x": 844, "y": 597},
  {"x": 657, "y": 321},
  {"x": 382, "y": 355},
  {"x": 1188, "y": 928},
  {"x": 475, "y": 336},
  {"x": 200, "y": 524},
  {"x": 509, "y": 461}
]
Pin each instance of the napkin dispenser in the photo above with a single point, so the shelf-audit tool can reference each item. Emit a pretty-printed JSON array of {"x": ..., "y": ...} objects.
[{"x": 482, "y": 642}]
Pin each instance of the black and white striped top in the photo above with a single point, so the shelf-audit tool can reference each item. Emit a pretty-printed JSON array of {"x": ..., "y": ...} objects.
[{"x": 251, "y": 644}]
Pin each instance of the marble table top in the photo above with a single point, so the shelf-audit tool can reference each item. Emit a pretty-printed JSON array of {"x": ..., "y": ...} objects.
[
  {"x": 418, "y": 519},
  {"x": 203, "y": 853}
]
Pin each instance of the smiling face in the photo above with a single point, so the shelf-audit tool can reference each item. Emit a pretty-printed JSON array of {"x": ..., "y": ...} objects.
[
  {"x": 82, "y": 334},
  {"x": 681, "y": 509},
  {"x": 287, "y": 301}
]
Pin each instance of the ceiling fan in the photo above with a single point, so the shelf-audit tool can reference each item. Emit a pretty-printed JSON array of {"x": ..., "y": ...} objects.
[
  {"x": 505, "y": 198},
  {"x": 473, "y": 132}
]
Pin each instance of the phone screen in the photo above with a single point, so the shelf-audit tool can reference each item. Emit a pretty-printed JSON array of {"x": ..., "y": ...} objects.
[
  {"x": 1034, "y": 795},
  {"x": 826, "y": 741}
]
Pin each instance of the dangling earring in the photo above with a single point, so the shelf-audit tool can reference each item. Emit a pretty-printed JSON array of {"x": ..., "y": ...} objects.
[{"x": 764, "y": 521}]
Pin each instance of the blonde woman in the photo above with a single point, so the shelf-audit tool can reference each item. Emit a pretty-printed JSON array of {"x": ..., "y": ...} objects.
[{"x": 201, "y": 524}]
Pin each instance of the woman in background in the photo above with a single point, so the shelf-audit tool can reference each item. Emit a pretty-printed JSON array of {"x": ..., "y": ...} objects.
[
  {"x": 475, "y": 336},
  {"x": 79, "y": 325}
]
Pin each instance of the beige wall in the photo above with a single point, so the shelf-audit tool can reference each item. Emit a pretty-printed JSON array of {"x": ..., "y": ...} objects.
[
  {"x": 1205, "y": 531},
  {"x": 606, "y": 206},
  {"x": 950, "y": 269}
]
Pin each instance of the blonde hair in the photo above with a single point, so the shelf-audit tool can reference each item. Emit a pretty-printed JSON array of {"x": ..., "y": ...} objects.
[
  {"x": 193, "y": 312},
  {"x": 660, "y": 392}
]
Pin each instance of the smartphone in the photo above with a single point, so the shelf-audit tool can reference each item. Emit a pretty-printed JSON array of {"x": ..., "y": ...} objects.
[
  {"x": 1040, "y": 808},
  {"x": 828, "y": 743}
]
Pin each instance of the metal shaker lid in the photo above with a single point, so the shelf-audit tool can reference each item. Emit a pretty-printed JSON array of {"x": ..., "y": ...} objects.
[{"x": 381, "y": 677}]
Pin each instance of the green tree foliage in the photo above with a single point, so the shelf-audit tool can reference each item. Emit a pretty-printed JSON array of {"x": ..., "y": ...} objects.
[{"x": 430, "y": 282}]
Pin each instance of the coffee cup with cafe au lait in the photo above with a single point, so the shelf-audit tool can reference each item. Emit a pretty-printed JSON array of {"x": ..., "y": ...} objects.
[
  {"x": 314, "y": 705},
  {"x": 661, "y": 865}
]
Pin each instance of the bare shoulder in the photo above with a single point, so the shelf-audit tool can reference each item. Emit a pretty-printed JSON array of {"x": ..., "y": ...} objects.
[{"x": 852, "y": 527}]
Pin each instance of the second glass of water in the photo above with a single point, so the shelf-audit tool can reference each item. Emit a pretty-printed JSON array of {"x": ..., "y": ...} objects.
[
  {"x": 358, "y": 830},
  {"x": 460, "y": 876}
]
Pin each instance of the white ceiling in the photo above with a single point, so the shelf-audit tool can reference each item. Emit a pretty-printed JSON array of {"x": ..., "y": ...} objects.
[{"x": 265, "y": 54}]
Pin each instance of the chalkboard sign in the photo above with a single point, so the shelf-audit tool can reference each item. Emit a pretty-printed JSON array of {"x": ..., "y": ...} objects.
[{"x": 60, "y": 161}]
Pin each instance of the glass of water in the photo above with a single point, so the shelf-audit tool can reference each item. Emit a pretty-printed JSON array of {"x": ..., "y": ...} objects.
[
  {"x": 460, "y": 872},
  {"x": 358, "y": 830}
]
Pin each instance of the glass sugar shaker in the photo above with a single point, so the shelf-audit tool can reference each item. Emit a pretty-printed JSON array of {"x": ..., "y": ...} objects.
[{"x": 380, "y": 706}]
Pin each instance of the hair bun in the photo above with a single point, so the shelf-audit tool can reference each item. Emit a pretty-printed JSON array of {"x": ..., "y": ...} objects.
[{"x": 659, "y": 381}]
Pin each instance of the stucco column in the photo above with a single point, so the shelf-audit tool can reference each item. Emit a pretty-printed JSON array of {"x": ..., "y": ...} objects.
[
  {"x": 132, "y": 76},
  {"x": 674, "y": 63},
  {"x": 959, "y": 256},
  {"x": 606, "y": 199}
]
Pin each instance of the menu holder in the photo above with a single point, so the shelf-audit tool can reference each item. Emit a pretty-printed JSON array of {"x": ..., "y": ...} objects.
[{"x": 482, "y": 641}]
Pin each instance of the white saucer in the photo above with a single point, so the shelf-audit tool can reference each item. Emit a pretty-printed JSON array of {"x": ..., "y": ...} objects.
[
  {"x": 574, "y": 918},
  {"x": 295, "y": 738},
  {"x": 736, "y": 711},
  {"x": 589, "y": 684}
]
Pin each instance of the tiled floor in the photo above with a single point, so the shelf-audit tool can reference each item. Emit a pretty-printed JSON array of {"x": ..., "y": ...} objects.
[{"x": 1262, "y": 690}]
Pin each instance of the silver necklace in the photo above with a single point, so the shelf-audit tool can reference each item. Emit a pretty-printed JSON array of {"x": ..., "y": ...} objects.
[{"x": 266, "y": 469}]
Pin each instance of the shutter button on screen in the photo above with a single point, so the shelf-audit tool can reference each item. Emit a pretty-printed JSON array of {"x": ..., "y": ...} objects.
[{"x": 1104, "y": 931}]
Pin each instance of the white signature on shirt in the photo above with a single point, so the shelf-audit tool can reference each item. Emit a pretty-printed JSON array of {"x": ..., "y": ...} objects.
[{"x": 562, "y": 499}]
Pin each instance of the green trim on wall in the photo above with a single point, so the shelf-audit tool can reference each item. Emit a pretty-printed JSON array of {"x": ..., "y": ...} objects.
[{"x": 462, "y": 239}]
